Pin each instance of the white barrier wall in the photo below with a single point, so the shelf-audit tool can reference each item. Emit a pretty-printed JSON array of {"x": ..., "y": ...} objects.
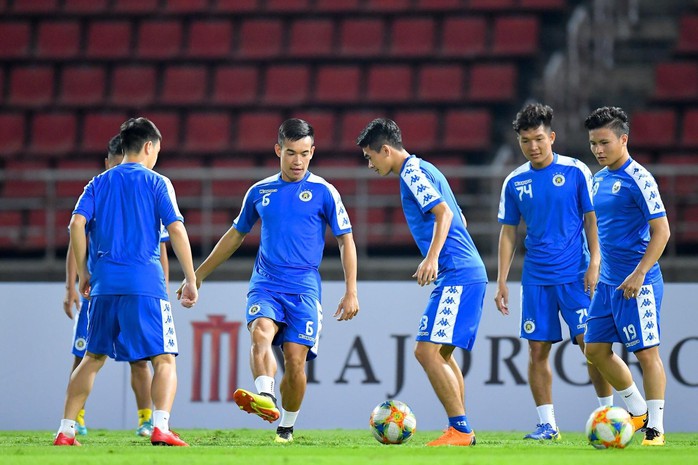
[{"x": 361, "y": 362}]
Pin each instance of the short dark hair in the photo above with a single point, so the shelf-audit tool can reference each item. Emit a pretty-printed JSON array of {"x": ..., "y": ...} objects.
[
  {"x": 294, "y": 129},
  {"x": 533, "y": 115},
  {"x": 379, "y": 132},
  {"x": 613, "y": 118},
  {"x": 136, "y": 132},
  {"x": 114, "y": 148}
]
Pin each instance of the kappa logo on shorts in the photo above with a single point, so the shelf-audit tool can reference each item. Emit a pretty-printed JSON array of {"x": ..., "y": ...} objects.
[
  {"x": 253, "y": 310},
  {"x": 529, "y": 326},
  {"x": 559, "y": 179},
  {"x": 305, "y": 196},
  {"x": 423, "y": 323},
  {"x": 80, "y": 343}
]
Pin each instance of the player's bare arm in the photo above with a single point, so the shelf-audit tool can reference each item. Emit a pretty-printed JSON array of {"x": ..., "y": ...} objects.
[
  {"x": 428, "y": 270},
  {"x": 659, "y": 236},
  {"x": 71, "y": 299},
  {"x": 188, "y": 294},
  {"x": 348, "y": 306},
  {"x": 591, "y": 277},
  {"x": 78, "y": 238},
  {"x": 506, "y": 249}
]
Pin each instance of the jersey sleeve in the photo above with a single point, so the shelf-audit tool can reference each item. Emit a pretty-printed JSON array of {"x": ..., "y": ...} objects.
[
  {"x": 647, "y": 196},
  {"x": 508, "y": 208},
  {"x": 248, "y": 215},
  {"x": 335, "y": 212},
  {"x": 85, "y": 205},
  {"x": 421, "y": 187},
  {"x": 167, "y": 202},
  {"x": 584, "y": 187},
  {"x": 164, "y": 234}
]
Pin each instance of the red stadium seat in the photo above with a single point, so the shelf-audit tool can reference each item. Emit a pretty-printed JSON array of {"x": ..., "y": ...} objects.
[
  {"x": 168, "y": 124},
  {"x": 17, "y": 184},
  {"x": 653, "y": 129},
  {"x": 287, "y": 5},
  {"x": 260, "y": 38},
  {"x": 36, "y": 6},
  {"x": 311, "y": 37},
  {"x": 58, "y": 39},
  {"x": 236, "y": 6},
  {"x": 689, "y": 129},
  {"x": 413, "y": 37},
  {"x": 38, "y": 234},
  {"x": 361, "y": 37},
  {"x": 231, "y": 187},
  {"x": 210, "y": 39},
  {"x": 135, "y": 6},
  {"x": 322, "y": 163},
  {"x": 287, "y": 84},
  {"x": 493, "y": 83},
  {"x": 683, "y": 185},
  {"x": 176, "y": 170},
  {"x": 446, "y": 162},
  {"x": 388, "y": 5},
  {"x": 85, "y": 6},
  {"x": 16, "y": 39},
  {"x": 493, "y": 5},
  {"x": 439, "y": 5},
  {"x": 688, "y": 35},
  {"x": 516, "y": 35},
  {"x": 159, "y": 39},
  {"x": 31, "y": 86},
  {"x": 53, "y": 134},
  {"x": 109, "y": 39},
  {"x": 186, "y": 6},
  {"x": 353, "y": 122},
  {"x": 98, "y": 129},
  {"x": 676, "y": 81},
  {"x": 258, "y": 130},
  {"x": 235, "y": 84},
  {"x": 543, "y": 5},
  {"x": 323, "y": 123},
  {"x": 689, "y": 231},
  {"x": 467, "y": 130},
  {"x": 208, "y": 132},
  {"x": 464, "y": 37},
  {"x": 220, "y": 222},
  {"x": 133, "y": 86},
  {"x": 184, "y": 85},
  {"x": 10, "y": 228},
  {"x": 419, "y": 129},
  {"x": 11, "y": 133},
  {"x": 442, "y": 83},
  {"x": 337, "y": 84},
  {"x": 336, "y": 5},
  {"x": 389, "y": 83},
  {"x": 82, "y": 86},
  {"x": 72, "y": 189}
]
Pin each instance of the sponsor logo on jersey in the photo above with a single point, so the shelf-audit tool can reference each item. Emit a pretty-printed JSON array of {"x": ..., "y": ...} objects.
[
  {"x": 558, "y": 179},
  {"x": 267, "y": 191},
  {"x": 254, "y": 309},
  {"x": 523, "y": 183},
  {"x": 529, "y": 326},
  {"x": 305, "y": 196}
]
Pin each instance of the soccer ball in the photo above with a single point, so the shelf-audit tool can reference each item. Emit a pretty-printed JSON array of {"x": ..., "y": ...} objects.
[
  {"x": 609, "y": 427},
  {"x": 392, "y": 422}
]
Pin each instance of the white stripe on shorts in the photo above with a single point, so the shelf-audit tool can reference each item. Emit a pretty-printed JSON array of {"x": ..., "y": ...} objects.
[
  {"x": 169, "y": 337},
  {"x": 647, "y": 313},
  {"x": 446, "y": 313}
]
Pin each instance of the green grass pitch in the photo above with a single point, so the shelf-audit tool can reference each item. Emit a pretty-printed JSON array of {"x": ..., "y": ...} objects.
[{"x": 332, "y": 447}]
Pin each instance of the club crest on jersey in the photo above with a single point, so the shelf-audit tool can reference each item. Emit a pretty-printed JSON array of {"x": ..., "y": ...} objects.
[
  {"x": 559, "y": 179},
  {"x": 529, "y": 326},
  {"x": 616, "y": 187},
  {"x": 305, "y": 196},
  {"x": 80, "y": 343},
  {"x": 254, "y": 309}
]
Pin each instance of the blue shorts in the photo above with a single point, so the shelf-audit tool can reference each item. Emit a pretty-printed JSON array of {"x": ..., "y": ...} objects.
[
  {"x": 452, "y": 316},
  {"x": 634, "y": 322},
  {"x": 541, "y": 307},
  {"x": 131, "y": 327},
  {"x": 299, "y": 317},
  {"x": 80, "y": 329}
]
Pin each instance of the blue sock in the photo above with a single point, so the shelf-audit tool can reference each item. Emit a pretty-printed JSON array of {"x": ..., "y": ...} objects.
[{"x": 460, "y": 423}]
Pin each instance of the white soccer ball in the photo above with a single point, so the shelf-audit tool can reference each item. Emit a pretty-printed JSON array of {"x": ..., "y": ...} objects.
[
  {"x": 609, "y": 427},
  {"x": 392, "y": 422}
]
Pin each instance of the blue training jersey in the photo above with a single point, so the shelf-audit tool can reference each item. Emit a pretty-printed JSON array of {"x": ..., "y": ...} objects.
[
  {"x": 423, "y": 186},
  {"x": 552, "y": 202},
  {"x": 294, "y": 218},
  {"x": 626, "y": 200},
  {"x": 126, "y": 208}
]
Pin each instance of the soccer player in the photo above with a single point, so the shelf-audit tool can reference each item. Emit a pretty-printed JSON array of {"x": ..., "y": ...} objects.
[
  {"x": 141, "y": 377},
  {"x": 451, "y": 262},
  {"x": 552, "y": 194},
  {"x": 633, "y": 232},
  {"x": 130, "y": 316},
  {"x": 283, "y": 302}
]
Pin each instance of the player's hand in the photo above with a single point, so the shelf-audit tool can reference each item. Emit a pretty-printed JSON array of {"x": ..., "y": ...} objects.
[
  {"x": 501, "y": 300},
  {"x": 71, "y": 299},
  {"x": 632, "y": 284},
  {"x": 188, "y": 294},
  {"x": 181, "y": 286},
  {"x": 85, "y": 285},
  {"x": 427, "y": 272},
  {"x": 591, "y": 278},
  {"x": 348, "y": 307}
]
